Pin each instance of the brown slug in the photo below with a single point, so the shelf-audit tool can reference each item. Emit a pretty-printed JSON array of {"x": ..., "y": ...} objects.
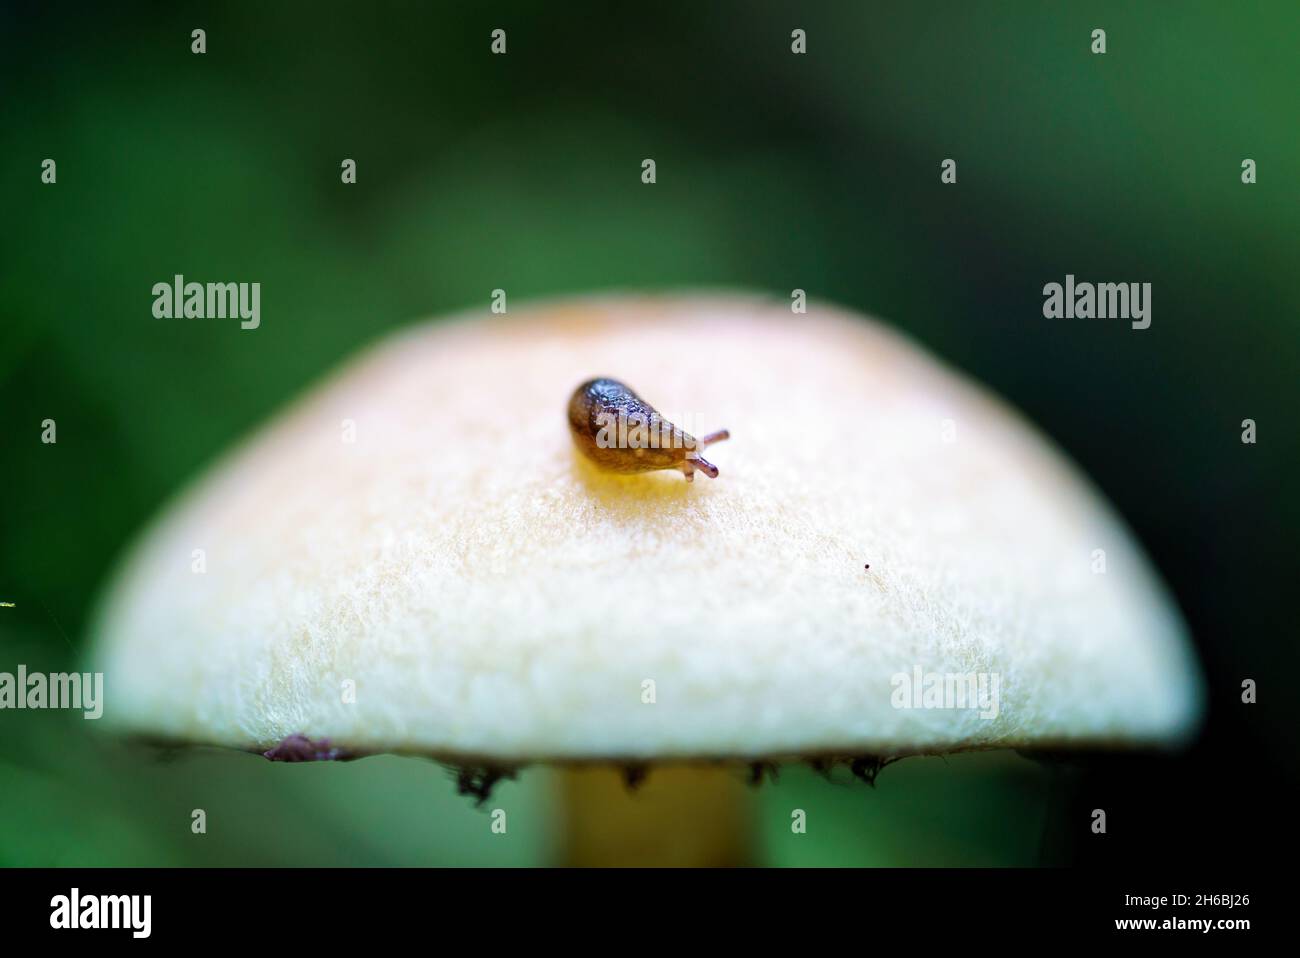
[{"x": 620, "y": 432}]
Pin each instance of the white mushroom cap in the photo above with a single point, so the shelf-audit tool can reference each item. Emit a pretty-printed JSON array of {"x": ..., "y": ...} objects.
[{"x": 493, "y": 596}]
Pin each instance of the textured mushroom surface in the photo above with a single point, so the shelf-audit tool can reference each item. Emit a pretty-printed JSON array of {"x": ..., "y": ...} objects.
[{"x": 488, "y": 592}]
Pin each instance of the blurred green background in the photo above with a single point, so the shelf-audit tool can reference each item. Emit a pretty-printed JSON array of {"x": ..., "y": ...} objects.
[{"x": 775, "y": 171}]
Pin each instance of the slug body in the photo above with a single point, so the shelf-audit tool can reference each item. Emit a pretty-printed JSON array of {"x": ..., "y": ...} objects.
[{"x": 620, "y": 432}]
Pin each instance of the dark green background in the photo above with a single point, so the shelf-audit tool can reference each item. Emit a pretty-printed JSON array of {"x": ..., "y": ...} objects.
[{"x": 774, "y": 171}]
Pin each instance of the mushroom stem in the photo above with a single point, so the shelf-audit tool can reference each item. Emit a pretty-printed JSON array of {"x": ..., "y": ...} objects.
[{"x": 680, "y": 816}]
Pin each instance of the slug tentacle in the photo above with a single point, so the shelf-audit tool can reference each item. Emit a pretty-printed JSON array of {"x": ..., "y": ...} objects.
[
  {"x": 695, "y": 462},
  {"x": 620, "y": 432}
]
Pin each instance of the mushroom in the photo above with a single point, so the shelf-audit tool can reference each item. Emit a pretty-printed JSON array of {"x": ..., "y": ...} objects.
[{"x": 414, "y": 558}]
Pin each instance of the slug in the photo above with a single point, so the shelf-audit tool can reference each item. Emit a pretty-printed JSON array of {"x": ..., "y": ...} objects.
[{"x": 620, "y": 432}]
